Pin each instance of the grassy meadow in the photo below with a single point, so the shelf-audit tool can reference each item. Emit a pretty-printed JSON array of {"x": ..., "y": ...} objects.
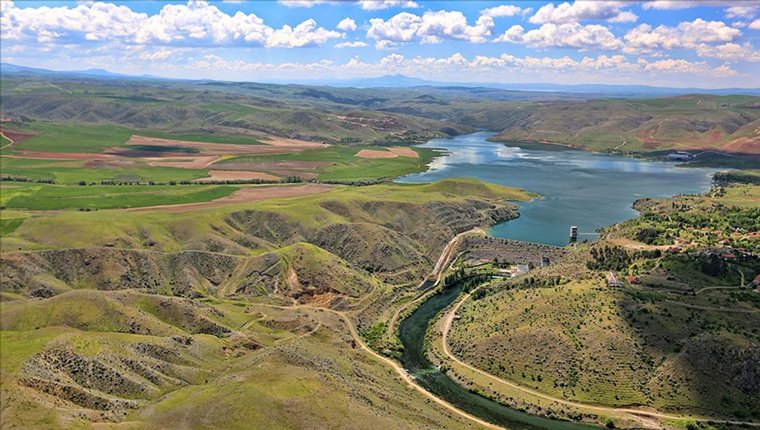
[{"x": 57, "y": 197}]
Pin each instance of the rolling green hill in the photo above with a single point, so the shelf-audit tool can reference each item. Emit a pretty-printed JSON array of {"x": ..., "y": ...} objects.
[
  {"x": 698, "y": 122},
  {"x": 225, "y": 315}
]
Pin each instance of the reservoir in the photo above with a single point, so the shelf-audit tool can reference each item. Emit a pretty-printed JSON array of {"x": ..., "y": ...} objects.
[{"x": 577, "y": 187}]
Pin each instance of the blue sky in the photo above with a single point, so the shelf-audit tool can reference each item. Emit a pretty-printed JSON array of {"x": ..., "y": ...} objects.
[{"x": 703, "y": 43}]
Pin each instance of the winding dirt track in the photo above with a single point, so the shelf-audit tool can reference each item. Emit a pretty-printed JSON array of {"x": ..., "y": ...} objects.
[
  {"x": 442, "y": 261},
  {"x": 395, "y": 366},
  {"x": 634, "y": 414},
  {"x": 437, "y": 272}
]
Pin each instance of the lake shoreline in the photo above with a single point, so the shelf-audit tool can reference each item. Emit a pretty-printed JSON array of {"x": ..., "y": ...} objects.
[{"x": 577, "y": 188}]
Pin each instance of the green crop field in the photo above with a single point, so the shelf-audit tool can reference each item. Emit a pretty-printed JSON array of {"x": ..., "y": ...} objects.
[
  {"x": 56, "y": 197},
  {"x": 73, "y": 171},
  {"x": 51, "y": 137},
  {"x": 346, "y": 166},
  {"x": 75, "y": 137}
]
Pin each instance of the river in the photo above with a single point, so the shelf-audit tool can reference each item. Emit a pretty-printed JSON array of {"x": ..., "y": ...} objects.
[{"x": 577, "y": 188}]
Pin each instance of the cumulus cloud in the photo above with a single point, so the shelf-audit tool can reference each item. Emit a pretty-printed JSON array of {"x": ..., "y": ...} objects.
[
  {"x": 305, "y": 3},
  {"x": 195, "y": 24},
  {"x": 672, "y": 66},
  {"x": 431, "y": 27},
  {"x": 479, "y": 65},
  {"x": 364, "y": 4},
  {"x": 387, "y": 4},
  {"x": 347, "y": 24},
  {"x": 99, "y": 21},
  {"x": 304, "y": 34},
  {"x": 755, "y": 25},
  {"x": 611, "y": 11},
  {"x": 355, "y": 44},
  {"x": 742, "y": 11},
  {"x": 724, "y": 71},
  {"x": 728, "y": 52},
  {"x": 644, "y": 38},
  {"x": 680, "y": 4},
  {"x": 570, "y": 35},
  {"x": 503, "y": 10}
]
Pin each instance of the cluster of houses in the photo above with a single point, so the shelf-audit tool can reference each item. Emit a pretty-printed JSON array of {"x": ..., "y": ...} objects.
[{"x": 729, "y": 253}]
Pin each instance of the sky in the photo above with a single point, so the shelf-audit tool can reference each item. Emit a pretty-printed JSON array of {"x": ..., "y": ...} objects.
[{"x": 680, "y": 43}]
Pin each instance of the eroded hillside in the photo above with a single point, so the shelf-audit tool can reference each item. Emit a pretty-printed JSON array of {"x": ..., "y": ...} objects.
[{"x": 148, "y": 317}]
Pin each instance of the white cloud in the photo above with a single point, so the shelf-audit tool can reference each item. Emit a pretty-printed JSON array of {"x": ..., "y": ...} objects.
[
  {"x": 305, "y": 3},
  {"x": 196, "y": 24},
  {"x": 672, "y": 66},
  {"x": 364, "y": 4},
  {"x": 99, "y": 21},
  {"x": 387, "y": 4},
  {"x": 400, "y": 28},
  {"x": 742, "y": 11},
  {"x": 729, "y": 52},
  {"x": 355, "y": 44},
  {"x": 611, "y": 11},
  {"x": 431, "y": 27},
  {"x": 644, "y": 38},
  {"x": 500, "y": 11},
  {"x": 680, "y": 4},
  {"x": 159, "y": 55},
  {"x": 304, "y": 34},
  {"x": 570, "y": 35},
  {"x": 755, "y": 25},
  {"x": 724, "y": 71},
  {"x": 347, "y": 24}
]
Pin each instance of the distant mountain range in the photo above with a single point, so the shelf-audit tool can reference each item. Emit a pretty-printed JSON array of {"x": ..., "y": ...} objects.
[
  {"x": 12, "y": 69},
  {"x": 402, "y": 81}
]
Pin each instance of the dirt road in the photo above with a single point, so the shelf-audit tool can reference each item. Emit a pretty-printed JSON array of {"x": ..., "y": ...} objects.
[{"x": 634, "y": 414}]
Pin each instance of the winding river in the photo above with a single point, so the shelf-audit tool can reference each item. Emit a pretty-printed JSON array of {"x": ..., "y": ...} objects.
[{"x": 577, "y": 188}]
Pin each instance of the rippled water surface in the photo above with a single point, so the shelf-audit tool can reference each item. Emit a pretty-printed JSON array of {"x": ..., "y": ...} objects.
[{"x": 577, "y": 187}]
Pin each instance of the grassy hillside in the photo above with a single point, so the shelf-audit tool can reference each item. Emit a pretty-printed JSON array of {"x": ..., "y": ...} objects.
[
  {"x": 698, "y": 122},
  {"x": 149, "y": 361},
  {"x": 223, "y": 316},
  {"x": 209, "y": 111},
  {"x": 21, "y": 195}
]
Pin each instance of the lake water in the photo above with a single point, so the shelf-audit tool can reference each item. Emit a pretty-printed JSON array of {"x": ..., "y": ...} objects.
[{"x": 577, "y": 187}]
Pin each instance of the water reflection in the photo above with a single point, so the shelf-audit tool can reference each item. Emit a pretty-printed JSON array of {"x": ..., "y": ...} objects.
[{"x": 578, "y": 187}]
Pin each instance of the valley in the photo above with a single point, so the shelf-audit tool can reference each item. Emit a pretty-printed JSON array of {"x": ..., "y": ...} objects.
[{"x": 209, "y": 255}]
